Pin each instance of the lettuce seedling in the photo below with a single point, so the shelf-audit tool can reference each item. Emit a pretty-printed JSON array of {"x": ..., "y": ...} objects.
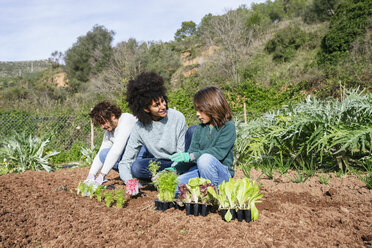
[
  {"x": 90, "y": 190},
  {"x": 98, "y": 192},
  {"x": 220, "y": 196},
  {"x": 81, "y": 188},
  {"x": 154, "y": 167},
  {"x": 242, "y": 192},
  {"x": 230, "y": 193},
  {"x": 109, "y": 199},
  {"x": 120, "y": 199},
  {"x": 253, "y": 199},
  {"x": 206, "y": 197},
  {"x": 194, "y": 187},
  {"x": 184, "y": 195},
  {"x": 166, "y": 184}
]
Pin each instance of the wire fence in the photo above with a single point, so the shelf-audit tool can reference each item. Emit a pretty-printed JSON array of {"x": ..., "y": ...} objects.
[{"x": 63, "y": 131}]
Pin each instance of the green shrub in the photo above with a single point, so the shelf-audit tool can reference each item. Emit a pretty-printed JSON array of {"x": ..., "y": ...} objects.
[
  {"x": 327, "y": 133},
  {"x": 21, "y": 152},
  {"x": 285, "y": 43},
  {"x": 320, "y": 11},
  {"x": 351, "y": 19}
]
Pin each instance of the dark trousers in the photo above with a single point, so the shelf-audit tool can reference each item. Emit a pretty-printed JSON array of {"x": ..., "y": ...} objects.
[{"x": 140, "y": 167}]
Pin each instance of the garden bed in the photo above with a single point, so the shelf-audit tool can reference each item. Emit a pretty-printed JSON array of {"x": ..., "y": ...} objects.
[{"x": 36, "y": 211}]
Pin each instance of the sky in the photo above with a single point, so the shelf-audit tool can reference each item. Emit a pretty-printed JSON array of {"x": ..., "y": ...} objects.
[{"x": 34, "y": 29}]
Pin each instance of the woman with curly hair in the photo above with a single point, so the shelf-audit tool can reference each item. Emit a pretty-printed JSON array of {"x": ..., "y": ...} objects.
[{"x": 160, "y": 129}]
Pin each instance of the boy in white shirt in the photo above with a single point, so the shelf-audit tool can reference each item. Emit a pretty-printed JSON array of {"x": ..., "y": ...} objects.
[{"x": 118, "y": 127}]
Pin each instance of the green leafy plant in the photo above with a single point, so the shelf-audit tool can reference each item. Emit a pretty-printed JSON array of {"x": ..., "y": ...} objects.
[
  {"x": 241, "y": 194},
  {"x": 120, "y": 198},
  {"x": 90, "y": 190},
  {"x": 99, "y": 192},
  {"x": 194, "y": 187},
  {"x": 166, "y": 183},
  {"x": 154, "y": 166},
  {"x": 21, "y": 152},
  {"x": 184, "y": 195},
  {"x": 324, "y": 179},
  {"x": 366, "y": 177},
  {"x": 322, "y": 133},
  {"x": 81, "y": 188},
  {"x": 247, "y": 168},
  {"x": 300, "y": 177},
  {"x": 109, "y": 198},
  {"x": 88, "y": 154}
]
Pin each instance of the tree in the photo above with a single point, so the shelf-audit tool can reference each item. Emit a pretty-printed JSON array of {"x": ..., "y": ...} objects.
[
  {"x": 320, "y": 10},
  {"x": 230, "y": 34},
  {"x": 56, "y": 59},
  {"x": 351, "y": 20},
  {"x": 90, "y": 54},
  {"x": 187, "y": 29},
  {"x": 127, "y": 61}
]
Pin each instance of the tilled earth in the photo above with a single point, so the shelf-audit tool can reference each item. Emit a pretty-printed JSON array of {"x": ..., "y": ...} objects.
[{"x": 37, "y": 211}]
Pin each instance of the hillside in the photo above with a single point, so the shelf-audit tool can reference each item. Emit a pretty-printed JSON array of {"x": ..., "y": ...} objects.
[
  {"x": 13, "y": 69},
  {"x": 264, "y": 56}
]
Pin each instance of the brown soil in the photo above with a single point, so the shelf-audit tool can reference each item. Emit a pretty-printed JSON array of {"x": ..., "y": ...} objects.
[{"x": 36, "y": 212}]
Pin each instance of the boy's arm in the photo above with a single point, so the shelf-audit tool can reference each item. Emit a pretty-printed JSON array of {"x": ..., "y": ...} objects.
[
  {"x": 121, "y": 138},
  {"x": 131, "y": 151},
  {"x": 97, "y": 164}
]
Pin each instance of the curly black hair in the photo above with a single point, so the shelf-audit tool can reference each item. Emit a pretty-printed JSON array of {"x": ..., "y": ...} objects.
[
  {"x": 146, "y": 87},
  {"x": 102, "y": 112}
]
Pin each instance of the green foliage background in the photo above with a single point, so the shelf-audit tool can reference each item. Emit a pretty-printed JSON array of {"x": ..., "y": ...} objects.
[{"x": 265, "y": 56}]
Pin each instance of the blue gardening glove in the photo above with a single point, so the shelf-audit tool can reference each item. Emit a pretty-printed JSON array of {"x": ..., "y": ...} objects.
[{"x": 180, "y": 157}]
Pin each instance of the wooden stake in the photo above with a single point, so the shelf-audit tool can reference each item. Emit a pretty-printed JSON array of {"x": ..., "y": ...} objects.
[
  {"x": 245, "y": 113},
  {"x": 91, "y": 133}
]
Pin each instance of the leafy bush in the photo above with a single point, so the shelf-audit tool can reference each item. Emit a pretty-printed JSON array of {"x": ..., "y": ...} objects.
[
  {"x": 21, "y": 152},
  {"x": 351, "y": 19},
  {"x": 327, "y": 133},
  {"x": 285, "y": 43},
  {"x": 320, "y": 11}
]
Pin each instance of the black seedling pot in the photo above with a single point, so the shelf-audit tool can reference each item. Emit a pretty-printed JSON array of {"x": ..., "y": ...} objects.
[
  {"x": 188, "y": 208},
  {"x": 196, "y": 209},
  {"x": 205, "y": 209},
  {"x": 157, "y": 205},
  {"x": 163, "y": 205},
  {"x": 171, "y": 205},
  {"x": 223, "y": 212},
  {"x": 247, "y": 215},
  {"x": 179, "y": 207},
  {"x": 240, "y": 215}
]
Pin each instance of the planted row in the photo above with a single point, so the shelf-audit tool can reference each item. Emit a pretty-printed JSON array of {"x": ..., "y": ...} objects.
[{"x": 99, "y": 192}]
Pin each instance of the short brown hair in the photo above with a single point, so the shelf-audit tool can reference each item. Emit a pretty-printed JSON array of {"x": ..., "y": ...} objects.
[
  {"x": 212, "y": 102},
  {"x": 102, "y": 112}
]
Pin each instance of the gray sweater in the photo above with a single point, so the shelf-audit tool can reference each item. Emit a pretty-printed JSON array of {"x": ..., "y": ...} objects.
[{"x": 162, "y": 139}]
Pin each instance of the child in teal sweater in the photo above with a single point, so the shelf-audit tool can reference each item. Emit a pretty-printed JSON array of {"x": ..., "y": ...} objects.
[{"x": 210, "y": 155}]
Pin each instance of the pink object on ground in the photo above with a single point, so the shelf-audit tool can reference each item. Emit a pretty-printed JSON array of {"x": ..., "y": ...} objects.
[{"x": 132, "y": 186}]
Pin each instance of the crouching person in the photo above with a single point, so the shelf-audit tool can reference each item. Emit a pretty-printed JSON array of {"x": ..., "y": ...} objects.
[
  {"x": 160, "y": 129},
  {"x": 210, "y": 155},
  {"x": 118, "y": 127}
]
